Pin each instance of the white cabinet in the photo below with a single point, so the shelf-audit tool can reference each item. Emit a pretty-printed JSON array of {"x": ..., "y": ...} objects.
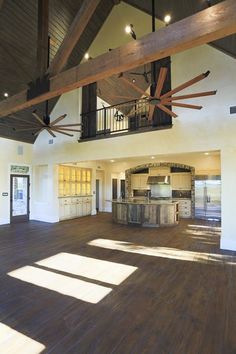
[
  {"x": 139, "y": 181},
  {"x": 184, "y": 208},
  {"x": 159, "y": 171},
  {"x": 74, "y": 207},
  {"x": 181, "y": 181}
]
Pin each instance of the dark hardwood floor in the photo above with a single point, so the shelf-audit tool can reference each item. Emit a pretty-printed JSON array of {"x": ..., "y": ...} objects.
[{"x": 181, "y": 299}]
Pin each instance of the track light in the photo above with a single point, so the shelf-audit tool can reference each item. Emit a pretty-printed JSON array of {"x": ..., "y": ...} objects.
[
  {"x": 167, "y": 19},
  {"x": 5, "y": 94},
  {"x": 130, "y": 30}
]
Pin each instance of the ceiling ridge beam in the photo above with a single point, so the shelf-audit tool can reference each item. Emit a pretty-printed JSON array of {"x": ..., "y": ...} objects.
[
  {"x": 208, "y": 25},
  {"x": 74, "y": 33}
]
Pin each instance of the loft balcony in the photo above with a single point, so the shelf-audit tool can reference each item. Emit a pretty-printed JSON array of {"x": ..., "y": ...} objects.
[{"x": 120, "y": 119}]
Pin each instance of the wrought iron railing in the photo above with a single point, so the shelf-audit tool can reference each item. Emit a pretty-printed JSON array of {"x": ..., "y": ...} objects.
[{"x": 120, "y": 118}]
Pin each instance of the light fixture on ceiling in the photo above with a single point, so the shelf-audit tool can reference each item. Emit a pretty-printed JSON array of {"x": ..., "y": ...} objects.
[
  {"x": 206, "y": 153},
  {"x": 133, "y": 81},
  {"x": 167, "y": 19},
  {"x": 6, "y": 94},
  {"x": 86, "y": 56},
  {"x": 208, "y": 3},
  {"x": 152, "y": 157},
  {"x": 112, "y": 160},
  {"x": 130, "y": 30}
]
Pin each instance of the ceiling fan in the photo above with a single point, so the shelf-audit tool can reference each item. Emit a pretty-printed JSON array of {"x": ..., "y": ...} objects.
[
  {"x": 165, "y": 101},
  {"x": 145, "y": 73},
  {"x": 45, "y": 123}
]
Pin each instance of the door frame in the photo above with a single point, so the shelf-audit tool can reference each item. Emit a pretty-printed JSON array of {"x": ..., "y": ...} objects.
[{"x": 19, "y": 218}]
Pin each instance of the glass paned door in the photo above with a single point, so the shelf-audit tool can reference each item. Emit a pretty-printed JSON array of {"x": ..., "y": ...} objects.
[{"x": 19, "y": 198}]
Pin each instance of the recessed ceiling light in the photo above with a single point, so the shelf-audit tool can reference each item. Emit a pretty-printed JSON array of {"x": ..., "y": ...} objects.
[
  {"x": 112, "y": 160},
  {"x": 5, "y": 94},
  {"x": 167, "y": 19},
  {"x": 86, "y": 56},
  {"x": 128, "y": 29},
  {"x": 206, "y": 153},
  {"x": 133, "y": 81},
  {"x": 152, "y": 157}
]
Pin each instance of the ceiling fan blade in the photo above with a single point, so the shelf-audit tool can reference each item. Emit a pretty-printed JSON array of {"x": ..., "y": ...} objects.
[
  {"x": 199, "y": 94},
  {"x": 168, "y": 111},
  {"x": 160, "y": 82},
  {"x": 134, "y": 87},
  {"x": 37, "y": 117},
  {"x": 50, "y": 132},
  {"x": 186, "y": 84},
  {"x": 69, "y": 130},
  {"x": 176, "y": 104},
  {"x": 39, "y": 131},
  {"x": 151, "y": 111},
  {"x": 23, "y": 120},
  {"x": 122, "y": 97},
  {"x": 67, "y": 125},
  {"x": 58, "y": 119},
  {"x": 61, "y": 132}
]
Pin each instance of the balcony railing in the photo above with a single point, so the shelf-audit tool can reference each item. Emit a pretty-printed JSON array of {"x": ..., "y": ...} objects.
[{"x": 131, "y": 116}]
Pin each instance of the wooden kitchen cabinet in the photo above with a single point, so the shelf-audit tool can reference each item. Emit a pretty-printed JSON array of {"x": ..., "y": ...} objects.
[
  {"x": 70, "y": 208},
  {"x": 139, "y": 181},
  {"x": 159, "y": 171},
  {"x": 181, "y": 181}
]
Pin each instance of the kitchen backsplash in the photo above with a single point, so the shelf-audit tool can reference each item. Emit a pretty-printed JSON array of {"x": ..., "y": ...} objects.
[{"x": 181, "y": 194}]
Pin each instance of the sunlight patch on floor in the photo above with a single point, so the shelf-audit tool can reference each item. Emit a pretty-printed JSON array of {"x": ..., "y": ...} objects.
[
  {"x": 105, "y": 271},
  {"x": 164, "y": 252},
  {"x": 210, "y": 228},
  {"x": 14, "y": 342},
  {"x": 79, "y": 289}
]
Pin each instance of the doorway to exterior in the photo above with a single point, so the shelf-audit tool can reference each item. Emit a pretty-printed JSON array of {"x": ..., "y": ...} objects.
[{"x": 19, "y": 198}]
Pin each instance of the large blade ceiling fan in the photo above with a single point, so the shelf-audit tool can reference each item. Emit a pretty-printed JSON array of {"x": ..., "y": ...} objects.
[
  {"x": 45, "y": 123},
  {"x": 167, "y": 100}
]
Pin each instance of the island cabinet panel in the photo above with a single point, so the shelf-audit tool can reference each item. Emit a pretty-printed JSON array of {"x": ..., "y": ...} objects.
[
  {"x": 134, "y": 214},
  {"x": 119, "y": 213},
  {"x": 167, "y": 214},
  {"x": 150, "y": 215}
]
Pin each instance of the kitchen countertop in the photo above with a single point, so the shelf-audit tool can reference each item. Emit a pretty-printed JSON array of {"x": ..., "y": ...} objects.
[{"x": 145, "y": 202}]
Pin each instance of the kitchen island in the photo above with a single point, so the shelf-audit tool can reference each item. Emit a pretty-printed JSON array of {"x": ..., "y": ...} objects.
[{"x": 149, "y": 213}]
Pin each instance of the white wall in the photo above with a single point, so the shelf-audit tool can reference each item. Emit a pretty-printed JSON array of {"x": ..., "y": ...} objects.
[
  {"x": 212, "y": 128},
  {"x": 9, "y": 156}
]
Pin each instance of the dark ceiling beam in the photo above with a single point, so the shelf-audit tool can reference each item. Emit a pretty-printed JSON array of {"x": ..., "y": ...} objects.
[
  {"x": 1, "y": 3},
  {"x": 208, "y": 25},
  {"x": 42, "y": 42},
  {"x": 74, "y": 33}
]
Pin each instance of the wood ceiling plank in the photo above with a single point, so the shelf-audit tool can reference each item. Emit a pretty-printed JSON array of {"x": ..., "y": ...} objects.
[
  {"x": 208, "y": 25},
  {"x": 76, "y": 29},
  {"x": 42, "y": 42}
]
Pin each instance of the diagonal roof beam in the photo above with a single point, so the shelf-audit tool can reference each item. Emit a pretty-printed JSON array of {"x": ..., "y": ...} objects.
[
  {"x": 208, "y": 25},
  {"x": 74, "y": 33}
]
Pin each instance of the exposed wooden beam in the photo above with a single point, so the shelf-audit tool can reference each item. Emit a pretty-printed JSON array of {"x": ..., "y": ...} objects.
[
  {"x": 42, "y": 43},
  {"x": 74, "y": 33},
  {"x": 208, "y": 25}
]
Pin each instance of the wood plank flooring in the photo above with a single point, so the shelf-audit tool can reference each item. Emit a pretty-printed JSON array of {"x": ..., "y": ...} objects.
[{"x": 179, "y": 300}]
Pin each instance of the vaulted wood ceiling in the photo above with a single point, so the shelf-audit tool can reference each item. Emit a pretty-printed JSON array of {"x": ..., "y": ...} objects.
[{"x": 18, "y": 45}]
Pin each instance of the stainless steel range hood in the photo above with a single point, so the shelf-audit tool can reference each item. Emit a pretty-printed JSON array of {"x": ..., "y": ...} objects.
[{"x": 158, "y": 180}]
